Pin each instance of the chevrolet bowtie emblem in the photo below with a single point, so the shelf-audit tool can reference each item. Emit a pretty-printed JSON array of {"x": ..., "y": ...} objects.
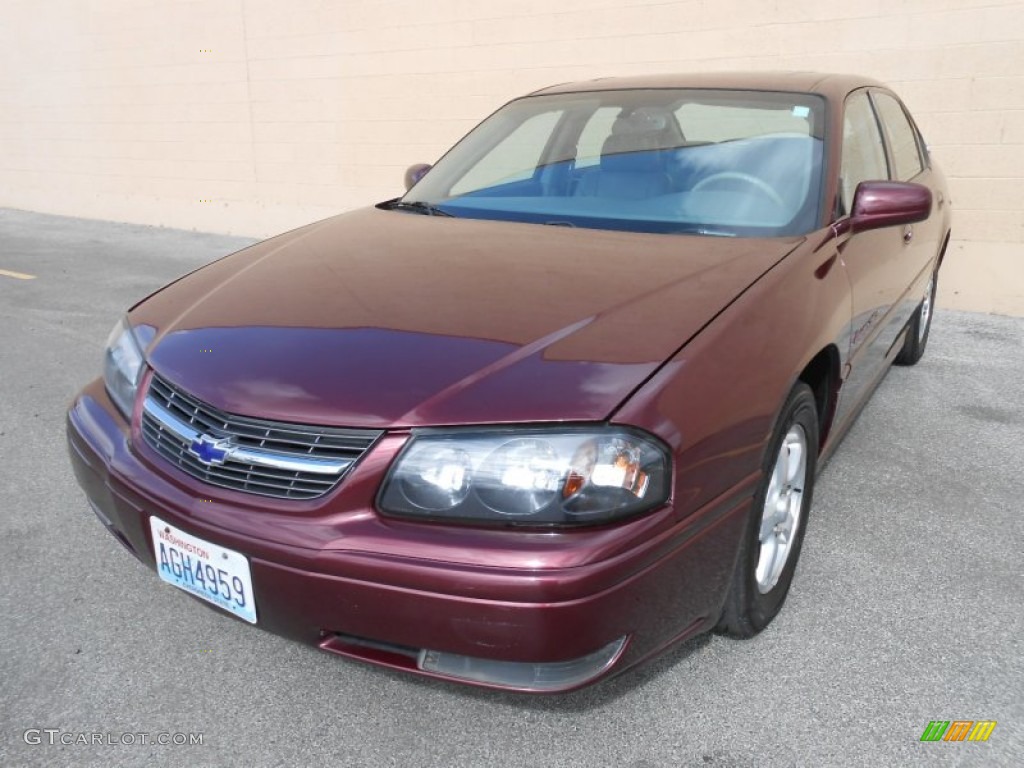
[{"x": 210, "y": 450}]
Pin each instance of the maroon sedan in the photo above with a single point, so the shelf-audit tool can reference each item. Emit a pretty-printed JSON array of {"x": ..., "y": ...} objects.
[{"x": 558, "y": 407}]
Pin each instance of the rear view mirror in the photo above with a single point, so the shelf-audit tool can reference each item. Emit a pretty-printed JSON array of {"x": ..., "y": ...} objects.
[
  {"x": 414, "y": 173},
  {"x": 878, "y": 204}
]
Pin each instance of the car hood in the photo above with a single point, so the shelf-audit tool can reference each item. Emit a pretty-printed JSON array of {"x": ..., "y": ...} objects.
[{"x": 388, "y": 319}]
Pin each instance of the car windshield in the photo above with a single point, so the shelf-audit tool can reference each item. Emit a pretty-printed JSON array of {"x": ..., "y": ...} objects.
[{"x": 711, "y": 162}]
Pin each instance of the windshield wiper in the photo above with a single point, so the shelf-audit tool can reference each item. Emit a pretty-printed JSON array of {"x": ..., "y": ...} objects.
[{"x": 427, "y": 209}]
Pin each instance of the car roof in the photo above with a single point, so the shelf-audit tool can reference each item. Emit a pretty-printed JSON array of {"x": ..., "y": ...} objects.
[{"x": 830, "y": 85}]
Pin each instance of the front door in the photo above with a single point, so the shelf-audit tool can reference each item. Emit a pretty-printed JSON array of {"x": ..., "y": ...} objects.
[{"x": 873, "y": 259}]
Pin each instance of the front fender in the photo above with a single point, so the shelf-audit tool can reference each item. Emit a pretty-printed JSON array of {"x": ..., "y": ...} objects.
[{"x": 716, "y": 400}]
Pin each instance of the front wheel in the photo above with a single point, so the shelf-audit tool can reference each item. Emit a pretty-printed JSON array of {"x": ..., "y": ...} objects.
[
  {"x": 918, "y": 327},
  {"x": 775, "y": 531}
]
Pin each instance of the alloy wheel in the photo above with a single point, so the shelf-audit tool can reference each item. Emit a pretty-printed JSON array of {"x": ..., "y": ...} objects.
[{"x": 783, "y": 506}]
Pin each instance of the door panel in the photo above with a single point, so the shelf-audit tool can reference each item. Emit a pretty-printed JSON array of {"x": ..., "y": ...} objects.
[
  {"x": 907, "y": 161},
  {"x": 888, "y": 268},
  {"x": 868, "y": 257}
]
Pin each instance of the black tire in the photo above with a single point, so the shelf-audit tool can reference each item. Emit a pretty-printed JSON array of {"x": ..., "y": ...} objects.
[
  {"x": 747, "y": 608},
  {"x": 919, "y": 327}
]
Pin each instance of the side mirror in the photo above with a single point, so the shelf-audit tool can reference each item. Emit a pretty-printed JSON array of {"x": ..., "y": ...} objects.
[
  {"x": 414, "y": 173},
  {"x": 878, "y": 204}
]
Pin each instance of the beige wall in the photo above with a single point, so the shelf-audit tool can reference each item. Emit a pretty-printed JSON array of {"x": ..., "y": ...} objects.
[{"x": 253, "y": 116}]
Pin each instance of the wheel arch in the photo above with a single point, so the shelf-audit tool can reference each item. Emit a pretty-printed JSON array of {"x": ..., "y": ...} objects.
[{"x": 821, "y": 374}]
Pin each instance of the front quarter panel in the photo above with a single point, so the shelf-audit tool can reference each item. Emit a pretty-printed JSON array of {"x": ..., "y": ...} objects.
[{"x": 717, "y": 400}]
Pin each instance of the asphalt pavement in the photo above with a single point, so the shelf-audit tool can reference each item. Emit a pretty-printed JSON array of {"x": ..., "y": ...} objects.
[{"x": 907, "y": 607}]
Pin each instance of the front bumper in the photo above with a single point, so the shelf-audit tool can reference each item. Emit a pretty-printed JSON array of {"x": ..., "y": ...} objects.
[{"x": 419, "y": 597}]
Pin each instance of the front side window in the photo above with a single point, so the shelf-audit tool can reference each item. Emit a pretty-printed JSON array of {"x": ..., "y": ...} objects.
[
  {"x": 863, "y": 151},
  {"x": 902, "y": 137},
  {"x": 694, "y": 161}
]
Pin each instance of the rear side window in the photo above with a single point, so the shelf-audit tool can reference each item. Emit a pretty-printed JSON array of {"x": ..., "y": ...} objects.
[
  {"x": 863, "y": 151},
  {"x": 902, "y": 137}
]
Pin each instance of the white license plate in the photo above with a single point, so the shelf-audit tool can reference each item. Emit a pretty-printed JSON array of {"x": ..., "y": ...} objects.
[{"x": 218, "y": 575}]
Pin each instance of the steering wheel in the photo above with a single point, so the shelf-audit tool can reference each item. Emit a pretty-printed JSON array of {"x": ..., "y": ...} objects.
[{"x": 760, "y": 184}]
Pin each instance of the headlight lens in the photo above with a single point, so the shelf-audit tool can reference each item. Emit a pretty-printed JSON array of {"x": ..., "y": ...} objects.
[
  {"x": 531, "y": 477},
  {"x": 122, "y": 366}
]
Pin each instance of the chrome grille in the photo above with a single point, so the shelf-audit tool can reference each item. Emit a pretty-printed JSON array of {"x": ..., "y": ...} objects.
[{"x": 270, "y": 458}]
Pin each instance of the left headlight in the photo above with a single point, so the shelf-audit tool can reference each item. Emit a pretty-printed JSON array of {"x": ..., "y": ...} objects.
[
  {"x": 122, "y": 366},
  {"x": 532, "y": 477}
]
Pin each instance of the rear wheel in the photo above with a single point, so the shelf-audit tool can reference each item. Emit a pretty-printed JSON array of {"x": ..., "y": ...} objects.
[
  {"x": 775, "y": 531},
  {"x": 918, "y": 327}
]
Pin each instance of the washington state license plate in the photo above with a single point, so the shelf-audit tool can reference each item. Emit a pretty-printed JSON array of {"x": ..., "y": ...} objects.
[{"x": 215, "y": 574}]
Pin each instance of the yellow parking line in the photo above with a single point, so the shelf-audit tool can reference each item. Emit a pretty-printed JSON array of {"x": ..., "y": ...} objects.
[{"x": 16, "y": 275}]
